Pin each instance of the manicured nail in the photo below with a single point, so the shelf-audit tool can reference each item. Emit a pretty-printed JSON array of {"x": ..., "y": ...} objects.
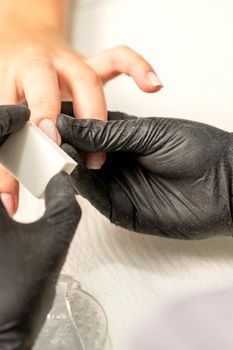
[
  {"x": 154, "y": 80},
  {"x": 49, "y": 128},
  {"x": 94, "y": 161},
  {"x": 8, "y": 202}
]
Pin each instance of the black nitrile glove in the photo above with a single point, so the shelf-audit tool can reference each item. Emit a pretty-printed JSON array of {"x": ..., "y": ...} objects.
[
  {"x": 31, "y": 256},
  {"x": 12, "y": 118},
  {"x": 167, "y": 177}
]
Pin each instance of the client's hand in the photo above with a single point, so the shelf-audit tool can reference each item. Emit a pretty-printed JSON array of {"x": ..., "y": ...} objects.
[{"x": 167, "y": 177}]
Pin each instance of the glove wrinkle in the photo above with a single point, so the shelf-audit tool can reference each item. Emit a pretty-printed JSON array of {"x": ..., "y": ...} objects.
[{"x": 122, "y": 212}]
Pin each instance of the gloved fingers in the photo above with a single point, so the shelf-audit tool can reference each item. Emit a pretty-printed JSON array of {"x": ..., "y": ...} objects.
[
  {"x": 87, "y": 183},
  {"x": 12, "y": 118},
  {"x": 72, "y": 153},
  {"x": 63, "y": 212},
  {"x": 133, "y": 135}
]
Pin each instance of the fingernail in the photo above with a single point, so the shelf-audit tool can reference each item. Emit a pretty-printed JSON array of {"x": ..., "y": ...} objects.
[
  {"x": 49, "y": 128},
  {"x": 154, "y": 80},
  {"x": 94, "y": 161},
  {"x": 8, "y": 202}
]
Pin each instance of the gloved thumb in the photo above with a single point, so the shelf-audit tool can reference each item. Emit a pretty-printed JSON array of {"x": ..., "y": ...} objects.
[
  {"x": 88, "y": 184},
  {"x": 12, "y": 118},
  {"x": 63, "y": 212}
]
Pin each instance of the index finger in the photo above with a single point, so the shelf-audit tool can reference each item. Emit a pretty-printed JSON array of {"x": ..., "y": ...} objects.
[{"x": 40, "y": 85}]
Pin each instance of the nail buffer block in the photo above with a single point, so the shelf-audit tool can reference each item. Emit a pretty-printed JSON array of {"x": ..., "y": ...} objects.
[{"x": 33, "y": 158}]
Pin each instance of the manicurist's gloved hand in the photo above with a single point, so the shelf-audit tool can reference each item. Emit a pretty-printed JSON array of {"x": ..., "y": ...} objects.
[
  {"x": 32, "y": 255},
  {"x": 167, "y": 177}
]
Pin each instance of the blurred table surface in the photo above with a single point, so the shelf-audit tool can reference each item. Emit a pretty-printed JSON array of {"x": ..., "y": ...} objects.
[{"x": 190, "y": 45}]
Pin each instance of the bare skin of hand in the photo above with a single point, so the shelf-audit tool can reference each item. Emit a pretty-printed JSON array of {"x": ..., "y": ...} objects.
[{"x": 42, "y": 69}]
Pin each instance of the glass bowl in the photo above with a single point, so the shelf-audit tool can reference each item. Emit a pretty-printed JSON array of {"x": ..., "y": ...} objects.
[{"x": 76, "y": 321}]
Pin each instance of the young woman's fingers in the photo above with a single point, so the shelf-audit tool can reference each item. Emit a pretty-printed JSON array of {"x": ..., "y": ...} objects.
[
  {"x": 122, "y": 59},
  {"x": 39, "y": 82}
]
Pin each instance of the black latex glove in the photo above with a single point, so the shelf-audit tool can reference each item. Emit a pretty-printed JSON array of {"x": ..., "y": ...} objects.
[
  {"x": 12, "y": 118},
  {"x": 168, "y": 177},
  {"x": 31, "y": 256}
]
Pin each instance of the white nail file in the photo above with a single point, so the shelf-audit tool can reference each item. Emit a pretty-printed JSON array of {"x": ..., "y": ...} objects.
[{"x": 33, "y": 158}]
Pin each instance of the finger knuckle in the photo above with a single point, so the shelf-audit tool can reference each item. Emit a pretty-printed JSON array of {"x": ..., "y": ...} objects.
[
  {"x": 36, "y": 58},
  {"x": 46, "y": 106},
  {"x": 93, "y": 78},
  {"x": 89, "y": 76},
  {"x": 122, "y": 52},
  {"x": 123, "y": 49}
]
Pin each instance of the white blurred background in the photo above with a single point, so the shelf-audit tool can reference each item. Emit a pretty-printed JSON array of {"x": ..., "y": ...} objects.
[{"x": 189, "y": 43}]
